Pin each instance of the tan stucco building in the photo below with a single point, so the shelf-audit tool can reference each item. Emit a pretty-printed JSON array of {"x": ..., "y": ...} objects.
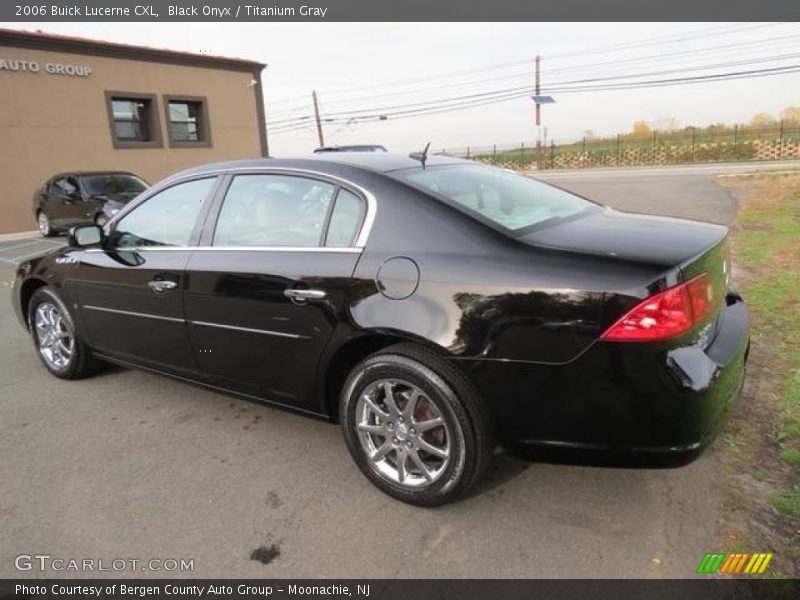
[{"x": 76, "y": 104}]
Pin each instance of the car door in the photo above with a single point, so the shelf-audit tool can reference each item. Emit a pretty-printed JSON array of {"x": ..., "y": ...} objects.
[
  {"x": 131, "y": 291},
  {"x": 64, "y": 201},
  {"x": 268, "y": 285}
]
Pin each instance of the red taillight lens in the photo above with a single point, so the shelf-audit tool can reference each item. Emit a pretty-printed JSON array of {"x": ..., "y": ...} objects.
[{"x": 665, "y": 315}]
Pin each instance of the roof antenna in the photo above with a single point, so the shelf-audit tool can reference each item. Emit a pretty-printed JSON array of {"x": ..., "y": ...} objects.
[{"x": 422, "y": 157}]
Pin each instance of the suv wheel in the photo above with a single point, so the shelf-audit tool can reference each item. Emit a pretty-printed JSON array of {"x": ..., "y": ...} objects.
[
  {"x": 415, "y": 425},
  {"x": 59, "y": 346}
]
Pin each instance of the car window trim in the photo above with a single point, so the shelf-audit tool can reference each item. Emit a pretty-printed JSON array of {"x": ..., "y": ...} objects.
[
  {"x": 152, "y": 193},
  {"x": 369, "y": 205},
  {"x": 333, "y": 249},
  {"x": 224, "y": 176},
  {"x": 361, "y": 216}
]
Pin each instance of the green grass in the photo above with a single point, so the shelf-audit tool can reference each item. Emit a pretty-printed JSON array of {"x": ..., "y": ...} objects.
[
  {"x": 791, "y": 456},
  {"x": 789, "y": 503},
  {"x": 767, "y": 246}
]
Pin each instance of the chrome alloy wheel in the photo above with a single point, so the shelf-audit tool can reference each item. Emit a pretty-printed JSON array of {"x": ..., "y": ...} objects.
[
  {"x": 44, "y": 223},
  {"x": 56, "y": 340},
  {"x": 403, "y": 433}
]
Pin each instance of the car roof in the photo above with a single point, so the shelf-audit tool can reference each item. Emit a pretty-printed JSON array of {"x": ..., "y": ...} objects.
[
  {"x": 380, "y": 162},
  {"x": 83, "y": 173}
]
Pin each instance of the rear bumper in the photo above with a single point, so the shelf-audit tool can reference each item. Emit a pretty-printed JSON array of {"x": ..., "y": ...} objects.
[{"x": 626, "y": 404}]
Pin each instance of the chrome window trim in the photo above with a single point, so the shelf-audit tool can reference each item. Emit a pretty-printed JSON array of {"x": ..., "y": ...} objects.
[
  {"x": 133, "y": 314},
  {"x": 333, "y": 249},
  {"x": 293, "y": 336},
  {"x": 372, "y": 204}
]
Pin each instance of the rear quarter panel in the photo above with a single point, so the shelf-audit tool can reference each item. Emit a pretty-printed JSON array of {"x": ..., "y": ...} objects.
[{"x": 482, "y": 294}]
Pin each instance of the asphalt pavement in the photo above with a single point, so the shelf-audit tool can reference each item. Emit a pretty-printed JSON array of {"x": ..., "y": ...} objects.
[{"x": 129, "y": 465}]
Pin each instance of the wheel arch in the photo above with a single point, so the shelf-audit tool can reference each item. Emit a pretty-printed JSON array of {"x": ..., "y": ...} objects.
[
  {"x": 349, "y": 353},
  {"x": 28, "y": 288}
]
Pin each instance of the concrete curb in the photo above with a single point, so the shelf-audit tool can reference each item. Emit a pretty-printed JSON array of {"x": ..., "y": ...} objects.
[{"x": 20, "y": 235}]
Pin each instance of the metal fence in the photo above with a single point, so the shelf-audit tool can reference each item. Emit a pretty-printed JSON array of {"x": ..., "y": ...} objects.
[{"x": 775, "y": 141}]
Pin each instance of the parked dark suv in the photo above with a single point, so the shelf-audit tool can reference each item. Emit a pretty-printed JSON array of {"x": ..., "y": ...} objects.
[{"x": 70, "y": 199}]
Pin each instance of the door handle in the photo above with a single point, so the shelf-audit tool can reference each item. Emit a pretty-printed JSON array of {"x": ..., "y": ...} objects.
[
  {"x": 159, "y": 286},
  {"x": 297, "y": 294}
]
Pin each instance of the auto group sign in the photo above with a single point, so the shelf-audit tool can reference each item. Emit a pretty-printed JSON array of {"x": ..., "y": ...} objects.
[{"x": 52, "y": 68}]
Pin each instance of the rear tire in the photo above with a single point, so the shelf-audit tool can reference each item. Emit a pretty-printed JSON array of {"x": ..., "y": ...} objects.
[
  {"x": 101, "y": 220},
  {"x": 44, "y": 224},
  {"x": 56, "y": 339},
  {"x": 415, "y": 425}
]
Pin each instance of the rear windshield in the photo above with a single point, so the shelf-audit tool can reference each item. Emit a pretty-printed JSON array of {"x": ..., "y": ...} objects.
[{"x": 512, "y": 201}]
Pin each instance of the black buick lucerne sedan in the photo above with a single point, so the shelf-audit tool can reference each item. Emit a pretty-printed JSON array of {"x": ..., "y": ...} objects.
[
  {"x": 69, "y": 199},
  {"x": 435, "y": 309}
]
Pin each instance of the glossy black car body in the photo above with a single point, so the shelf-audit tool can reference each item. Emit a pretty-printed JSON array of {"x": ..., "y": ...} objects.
[
  {"x": 70, "y": 199},
  {"x": 521, "y": 316}
]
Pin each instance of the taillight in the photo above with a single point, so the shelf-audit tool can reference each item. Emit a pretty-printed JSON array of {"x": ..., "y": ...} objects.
[{"x": 665, "y": 315}]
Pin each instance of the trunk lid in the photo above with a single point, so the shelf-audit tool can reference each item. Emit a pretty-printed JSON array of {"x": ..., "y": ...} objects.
[{"x": 657, "y": 241}]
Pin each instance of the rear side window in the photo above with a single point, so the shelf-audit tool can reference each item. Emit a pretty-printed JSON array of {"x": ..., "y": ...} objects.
[
  {"x": 166, "y": 218},
  {"x": 274, "y": 210},
  {"x": 346, "y": 216}
]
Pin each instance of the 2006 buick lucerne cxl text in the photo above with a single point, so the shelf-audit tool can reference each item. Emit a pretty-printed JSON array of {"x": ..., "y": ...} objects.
[{"x": 435, "y": 308}]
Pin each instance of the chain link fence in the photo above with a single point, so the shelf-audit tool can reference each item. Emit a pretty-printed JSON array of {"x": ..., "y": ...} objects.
[{"x": 775, "y": 141}]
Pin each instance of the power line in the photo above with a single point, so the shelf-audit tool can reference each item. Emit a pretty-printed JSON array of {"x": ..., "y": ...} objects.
[
  {"x": 670, "y": 38},
  {"x": 508, "y": 78},
  {"x": 511, "y": 95},
  {"x": 552, "y": 87}
]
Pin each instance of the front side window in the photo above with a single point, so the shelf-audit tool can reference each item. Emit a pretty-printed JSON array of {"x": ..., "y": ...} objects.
[
  {"x": 514, "y": 202},
  {"x": 273, "y": 210},
  {"x": 65, "y": 186},
  {"x": 165, "y": 219}
]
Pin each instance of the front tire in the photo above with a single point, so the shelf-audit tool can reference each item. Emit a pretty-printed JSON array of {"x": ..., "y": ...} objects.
[
  {"x": 56, "y": 339},
  {"x": 44, "y": 224},
  {"x": 415, "y": 425},
  {"x": 101, "y": 220}
]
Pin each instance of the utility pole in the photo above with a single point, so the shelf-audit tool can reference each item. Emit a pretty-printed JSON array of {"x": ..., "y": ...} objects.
[
  {"x": 319, "y": 123},
  {"x": 538, "y": 119}
]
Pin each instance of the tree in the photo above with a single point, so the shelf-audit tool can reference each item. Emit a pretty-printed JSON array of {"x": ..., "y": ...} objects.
[
  {"x": 588, "y": 134},
  {"x": 791, "y": 113},
  {"x": 641, "y": 128}
]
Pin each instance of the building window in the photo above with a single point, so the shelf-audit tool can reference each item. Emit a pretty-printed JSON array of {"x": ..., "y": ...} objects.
[
  {"x": 187, "y": 121},
  {"x": 133, "y": 120}
]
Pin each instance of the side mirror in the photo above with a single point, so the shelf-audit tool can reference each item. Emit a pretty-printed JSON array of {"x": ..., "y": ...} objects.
[{"x": 81, "y": 236}]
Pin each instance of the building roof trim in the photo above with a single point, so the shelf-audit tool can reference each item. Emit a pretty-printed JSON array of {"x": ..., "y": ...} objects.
[{"x": 77, "y": 45}]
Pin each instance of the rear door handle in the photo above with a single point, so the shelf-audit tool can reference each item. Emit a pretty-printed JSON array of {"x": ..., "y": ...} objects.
[
  {"x": 297, "y": 294},
  {"x": 159, "y": 286}
]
